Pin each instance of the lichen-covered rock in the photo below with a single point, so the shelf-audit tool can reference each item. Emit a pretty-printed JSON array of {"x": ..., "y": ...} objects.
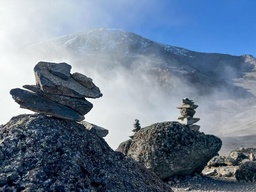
[
  {"x": 170, "y": 148},
  {"x": 40, "y": 153},
  {"x": 246, "y": 172}
]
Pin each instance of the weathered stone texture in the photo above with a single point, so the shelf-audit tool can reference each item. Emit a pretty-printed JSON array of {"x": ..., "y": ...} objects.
[
  {"x": 33, "y": 102},
  {"x": 54, "y": 83},
  {"x": 170, "y": 148},
  {"x": 40, "y": 153},
  {"x": 246, "y": 172},
  {"x": 81, "y": 105},
  {"x": 57, "y": 92}
]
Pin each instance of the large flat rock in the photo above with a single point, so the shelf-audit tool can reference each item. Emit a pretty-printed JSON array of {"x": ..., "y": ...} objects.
[
  {"x": 81, "y": 105},
  {"x": 36, "y": 103}
]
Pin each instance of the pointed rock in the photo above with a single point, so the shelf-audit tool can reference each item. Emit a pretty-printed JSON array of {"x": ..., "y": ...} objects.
[
  {"x": 187, "y": 101},
  {"x": 54, "y": 79}
]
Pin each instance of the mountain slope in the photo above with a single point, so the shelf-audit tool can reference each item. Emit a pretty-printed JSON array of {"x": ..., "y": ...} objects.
[
  {"x": 144, "y": 79},
  {"x": 204, "y": 71}
]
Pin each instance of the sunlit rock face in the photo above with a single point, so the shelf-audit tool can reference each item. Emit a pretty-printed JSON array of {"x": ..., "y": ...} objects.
[
  {"x": 40, "y": 153},
  {"x": 170, "y": 149}
]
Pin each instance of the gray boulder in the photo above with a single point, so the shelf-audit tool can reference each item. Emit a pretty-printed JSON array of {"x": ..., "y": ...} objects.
[
  {"x": 36, "y": 103},
  {"x": 246, "y": 172},
  {"x": 56, "y": 79},
  {"x": 81, "y": 105},
  {"x": 170, "y": 148},
  {"x": 100, "y": 131},
  {"x": 40, "y": 153}
]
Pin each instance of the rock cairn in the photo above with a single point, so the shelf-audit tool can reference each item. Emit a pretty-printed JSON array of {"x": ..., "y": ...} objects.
[
  {"x": 187, "y": 111},
  {"x": 57, "y": 92}
]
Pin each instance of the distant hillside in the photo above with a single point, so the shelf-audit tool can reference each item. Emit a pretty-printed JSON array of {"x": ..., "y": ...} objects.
[
  {"x": 144, "y": 79},
  {"x": 113, "y": 48}
]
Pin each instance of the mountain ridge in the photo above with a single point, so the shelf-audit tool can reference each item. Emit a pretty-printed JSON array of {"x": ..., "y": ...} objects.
[{"x": 152, "y": 77}]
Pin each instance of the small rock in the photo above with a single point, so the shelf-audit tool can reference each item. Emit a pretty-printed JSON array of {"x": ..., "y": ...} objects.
[
  {"x": 100, "y": 131},
  {"x": 210, "y": 172},
  {"x": 252, "y": 157}
]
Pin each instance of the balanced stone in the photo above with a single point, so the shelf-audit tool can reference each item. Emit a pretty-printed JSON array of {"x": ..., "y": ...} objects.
[
  {"x": 187, "y": 106},
  {"x": 95, "y": 129},
  {"x": 81, "y": 105},
  {"x": 36, "y": 103},
  {"x": 187, "y": 112},
  {"x": 54, "y": 79},
  {"x": 187, "y": 101}
]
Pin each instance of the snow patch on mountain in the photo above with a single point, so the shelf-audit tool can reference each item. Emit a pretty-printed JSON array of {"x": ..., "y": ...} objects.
[{"x": 176, "y": 50}]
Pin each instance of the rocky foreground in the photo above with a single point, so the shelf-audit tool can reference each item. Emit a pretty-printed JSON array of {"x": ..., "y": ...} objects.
[
  {"x": 51, "y": 151},
  {"x": 40, "y": 153}
]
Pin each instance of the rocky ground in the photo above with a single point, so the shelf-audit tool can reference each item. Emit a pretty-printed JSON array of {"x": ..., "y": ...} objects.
[{"x": 200, "y": 183}]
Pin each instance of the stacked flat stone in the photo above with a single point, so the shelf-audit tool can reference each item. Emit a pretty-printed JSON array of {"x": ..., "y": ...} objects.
[
  {"x": 57, "y": 92},
  {"x": 187, "y": 111}
]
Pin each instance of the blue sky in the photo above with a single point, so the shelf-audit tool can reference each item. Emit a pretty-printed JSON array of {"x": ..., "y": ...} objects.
[{"x": 221, "y": 26}]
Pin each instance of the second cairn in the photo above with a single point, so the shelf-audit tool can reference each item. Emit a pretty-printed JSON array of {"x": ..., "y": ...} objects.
[{"x": 187, "y": 111}]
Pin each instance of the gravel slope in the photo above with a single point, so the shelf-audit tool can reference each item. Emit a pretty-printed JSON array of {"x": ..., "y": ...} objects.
[{"x": 200, "y": 184}]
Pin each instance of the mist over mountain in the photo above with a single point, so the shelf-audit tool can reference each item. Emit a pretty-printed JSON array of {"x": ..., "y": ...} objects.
[{"x": 143, "y": 79}]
